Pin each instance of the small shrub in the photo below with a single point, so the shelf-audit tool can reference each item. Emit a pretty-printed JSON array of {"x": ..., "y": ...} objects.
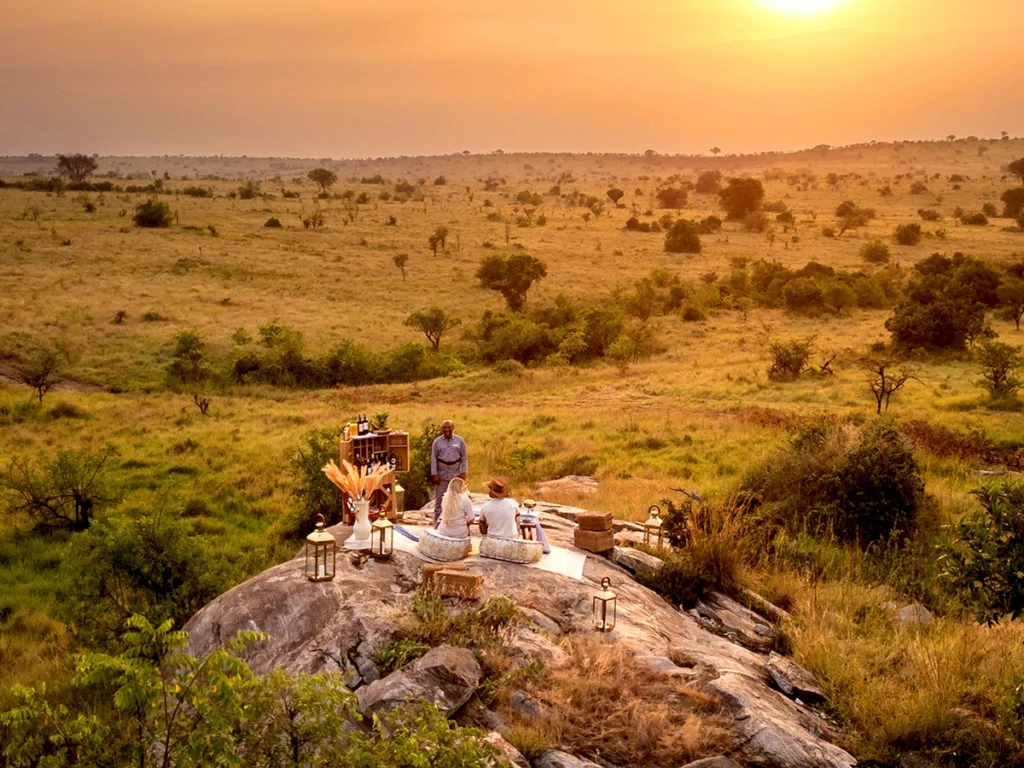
[
  {"x": 875, "y": 252},
  {"x": 65, "y": 410},
  {"x": 908, "y": 234},
  {"x": 693, "y": 313},
  {"x": 928, "y": 214},
  {"x": 509, "y": 368},
  {"x": 152, "y": 214},
  {"x": 273, "y": 223},
  {"x": 683, "y": 237},
  {"x": 974, "y": 220},
  {"x": 789, "y": 358},
  {"x": 983, "y": 555}
]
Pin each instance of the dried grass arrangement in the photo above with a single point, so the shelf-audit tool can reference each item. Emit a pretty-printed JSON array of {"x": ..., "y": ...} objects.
[{"x": 357, "y": 482}]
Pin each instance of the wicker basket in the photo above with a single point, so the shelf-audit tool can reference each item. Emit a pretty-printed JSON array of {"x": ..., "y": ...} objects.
[
  {"x": 511, "y": 550},
  {"x": 443, "y": 548}
]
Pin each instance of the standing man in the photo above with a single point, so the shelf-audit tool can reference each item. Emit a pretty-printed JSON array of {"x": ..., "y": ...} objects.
[{"x": 448, "y": 460}]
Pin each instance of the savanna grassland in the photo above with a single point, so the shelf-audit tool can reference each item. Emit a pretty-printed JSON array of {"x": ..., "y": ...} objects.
[{"x": 697, "y": 410}]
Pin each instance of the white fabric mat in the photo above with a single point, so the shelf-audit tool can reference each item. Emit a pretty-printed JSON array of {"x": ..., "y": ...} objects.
[{"x": 563, "y": 561}]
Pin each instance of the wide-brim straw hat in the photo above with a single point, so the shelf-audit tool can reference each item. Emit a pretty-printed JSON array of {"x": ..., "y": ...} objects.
[{"x": 497, "y": 487}]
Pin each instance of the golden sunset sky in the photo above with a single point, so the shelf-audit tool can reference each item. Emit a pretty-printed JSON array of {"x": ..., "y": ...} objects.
[{"x": 319, "y": 78}]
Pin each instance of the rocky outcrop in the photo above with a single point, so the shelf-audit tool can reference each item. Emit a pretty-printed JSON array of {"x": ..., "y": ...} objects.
[
  {"x": 341, "y": 624},
  {"x": 445, "y": 676},
  {"x": 573, "y": 485},
  {"x": 723, "y": 615},
  {"x": 552, "y": 758},
  {"x": 718, "y": 761},
  {"x": 636, "y": 562},
  {"x": 793, "y": 680},
  {"x": 506, "y": 752}
]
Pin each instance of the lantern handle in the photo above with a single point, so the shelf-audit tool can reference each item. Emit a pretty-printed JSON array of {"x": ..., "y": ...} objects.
[
  {"x": 606, "y": 583},
  {"x": 320, "y": 521},
  {"x": 654, "y": 510}
]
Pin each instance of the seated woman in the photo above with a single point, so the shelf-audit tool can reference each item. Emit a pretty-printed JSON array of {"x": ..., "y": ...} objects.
[
  {"x": 456, "y": 511},
  {"x": 502, "y": 541},
  {"x": 450, "y": 540}
]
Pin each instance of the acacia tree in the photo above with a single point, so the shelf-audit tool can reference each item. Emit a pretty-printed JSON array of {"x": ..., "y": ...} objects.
[
  {"x": 60, "y": 494},
  {"x": 1011, "y": 297},
  {"x": 441, "y": 233},
  {"x": 741, "y": 197},
  {"x": 886, "y": 377},
  {"x": 615, "y": 194},
  {"x": 716, "y": 151},
  {"x": 401, "y": 260},
  {"x": 324, "y": 177},
  {"x": 433, "y": 322},
  {"x": 1017, "y": 169},
  {"x": 41, "y": 368},
  {"x": 511, "y": 276},
  {"x": 1000, "y": 370},
  {"x": 77, "y": 168}
]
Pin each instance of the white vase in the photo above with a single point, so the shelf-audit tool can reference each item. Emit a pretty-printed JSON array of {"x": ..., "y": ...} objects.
[{"x": 360, "y": 538}]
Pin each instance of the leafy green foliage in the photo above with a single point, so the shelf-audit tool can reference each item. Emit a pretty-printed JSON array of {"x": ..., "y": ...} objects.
[
  {"x": 155, "y": 706},
  {"x": 741, "y": 197},
  {"x": 63, "y": 493},
  {"x": 875, "y": 252},
  {"x": 152, "y": 214},
  {"x": 324, "y": 177},
  {"x": 188, "y": 363},
  {"x": 137, "y": 563},
  {"x": 511, "y": 276},
  {"x": 789, "y": 358},
  {"x": 314, "y": 494},
  {"x": 418, "y": 487},
  {"x": 1000, "y": 371},
  {"x": 862, "y": 488},
  {"x": 907, "y": 234},
  {"x": 945, "y": 304},
  {"x": 683, "y": 237},
  {"x": 433, "y": 323},
  {"x": 982, "y": 557}
]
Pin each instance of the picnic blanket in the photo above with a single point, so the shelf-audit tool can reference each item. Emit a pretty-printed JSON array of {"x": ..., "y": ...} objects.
[{"x": 566, "y": 562}]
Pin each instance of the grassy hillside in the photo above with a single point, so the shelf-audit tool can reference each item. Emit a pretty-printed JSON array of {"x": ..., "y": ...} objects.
[{"x": 701, "y": 413}]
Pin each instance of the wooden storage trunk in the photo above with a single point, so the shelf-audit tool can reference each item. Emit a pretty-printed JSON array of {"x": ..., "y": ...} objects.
[
  {"x": 595, "y": 521},
  {"x": 594, "y": 541}
]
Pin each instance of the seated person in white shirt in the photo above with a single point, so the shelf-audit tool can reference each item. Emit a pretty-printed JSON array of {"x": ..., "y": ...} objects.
[
  {"x": 500, "y": 513},
  {"x": 456, "y": 511}
]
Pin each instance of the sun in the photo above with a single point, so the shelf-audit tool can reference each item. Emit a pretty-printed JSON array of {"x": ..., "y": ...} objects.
[{"x": 803, "y": 7}]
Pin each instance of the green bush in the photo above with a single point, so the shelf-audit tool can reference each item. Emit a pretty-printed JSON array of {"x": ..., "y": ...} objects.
[
  {"x": 863, "y": 488},
  {"x": 875, "y": 252},
  {"x": 974, "y": 220},
  {"x": 417, "y": 483},
  {"x": 908, "y": 234},
  {"x": 154, "y": 704},
  {"x": 982, "y": 556},
  {"x": 683, "y": 237},
  {"x": 188, "y": 363},
  {"x": 314, "y": 494},
  {"x": 161, "y": 570},
  {"x": 789, "y": 358},
  {"x": 152, "y": 213}
]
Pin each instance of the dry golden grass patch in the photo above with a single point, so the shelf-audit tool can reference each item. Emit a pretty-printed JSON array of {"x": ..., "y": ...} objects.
[
  {"x": 950, "y": 685},
  {"x": 604, "y": 704}
]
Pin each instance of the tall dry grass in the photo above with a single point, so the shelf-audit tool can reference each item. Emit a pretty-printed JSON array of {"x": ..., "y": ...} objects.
[{"x": 605, "y": 705}]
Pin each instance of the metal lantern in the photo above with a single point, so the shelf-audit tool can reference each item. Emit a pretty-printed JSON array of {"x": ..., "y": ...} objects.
[
  {"x": 321, "y": 553},
  {"x": 604, "y": 607},
  {"x": 382, "y": 538},
  {"x": 653, "y": 535}
]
